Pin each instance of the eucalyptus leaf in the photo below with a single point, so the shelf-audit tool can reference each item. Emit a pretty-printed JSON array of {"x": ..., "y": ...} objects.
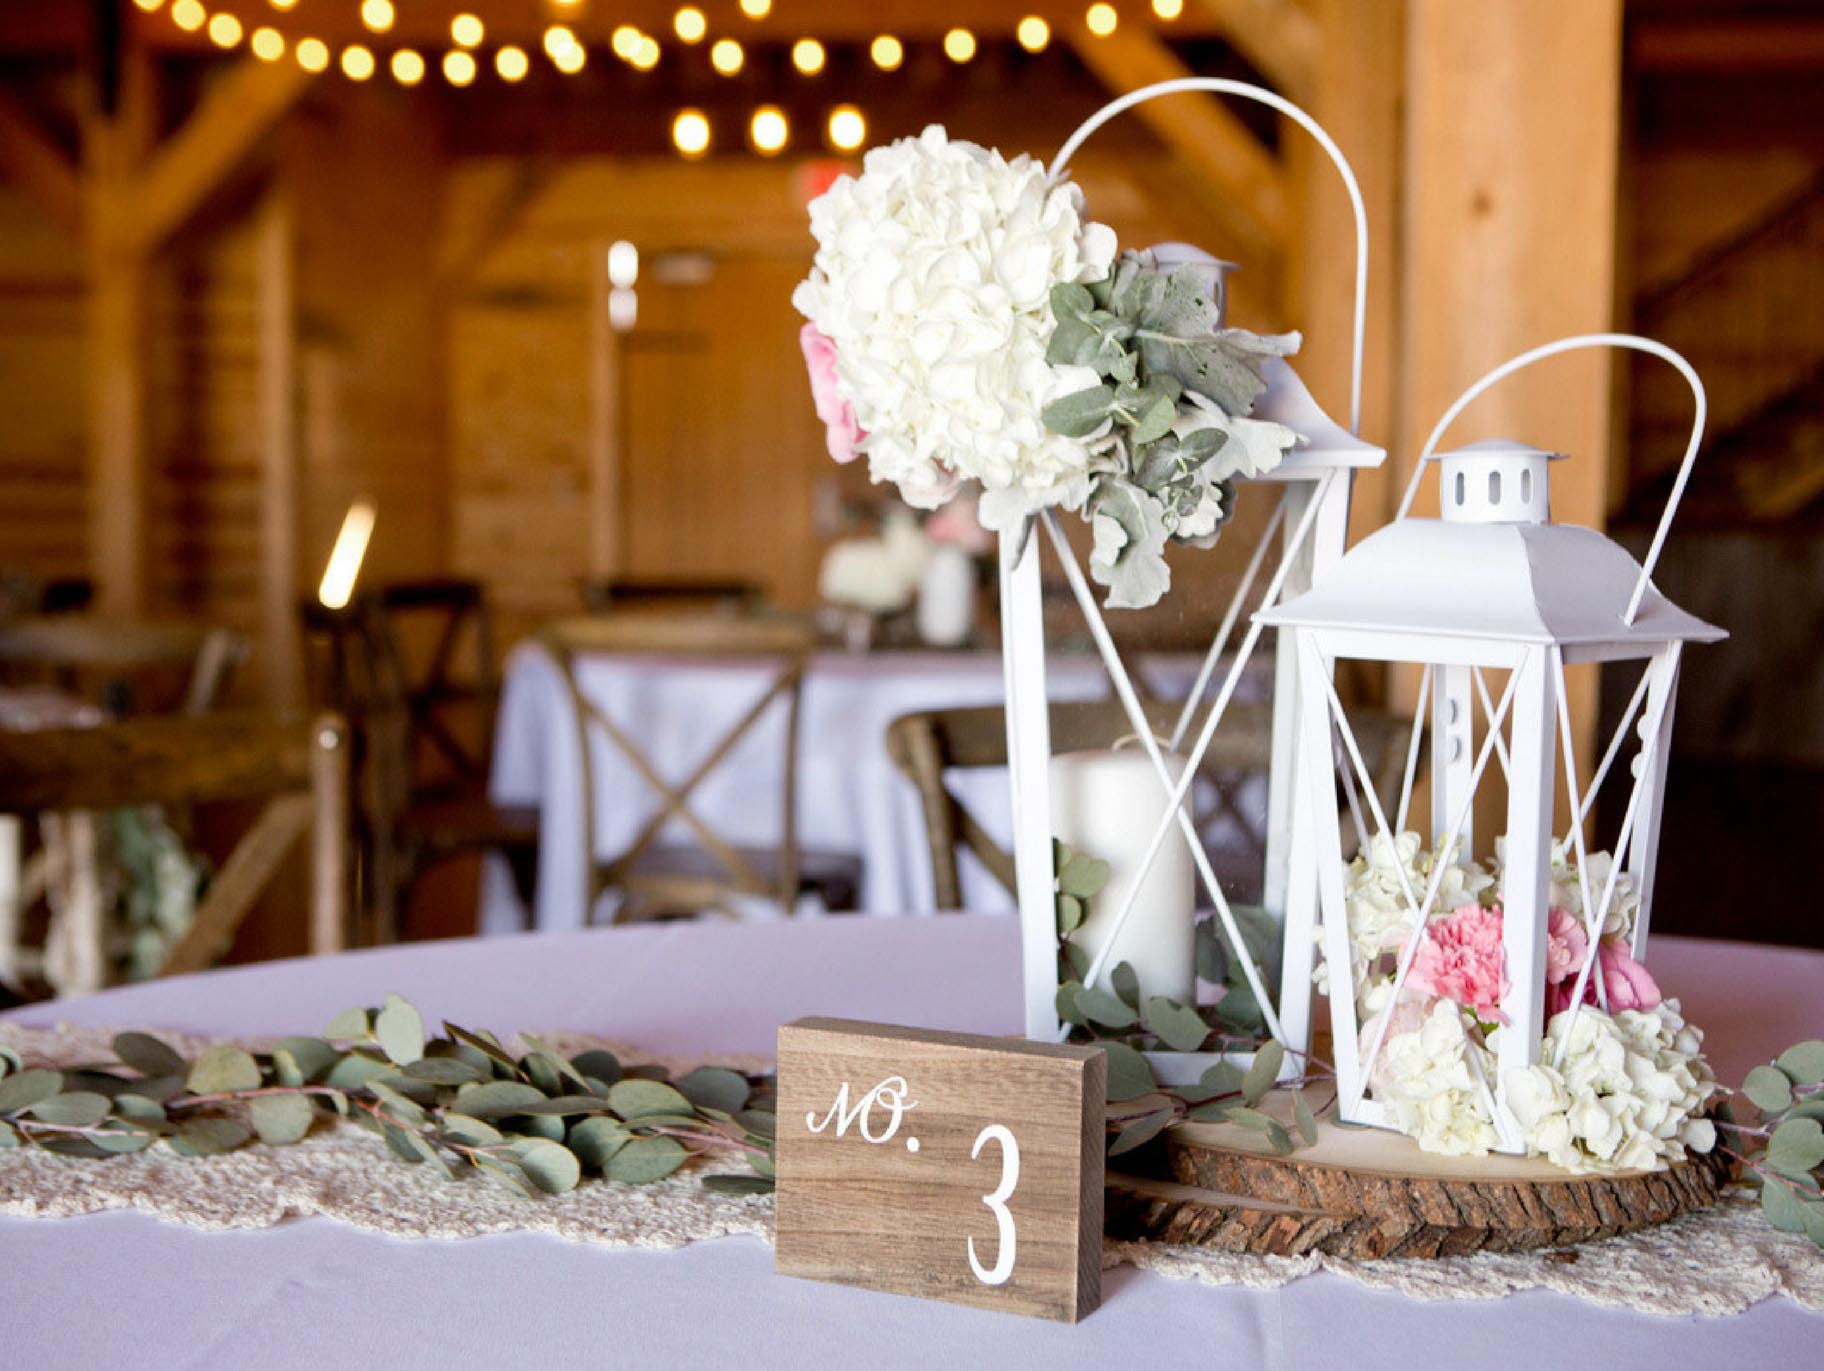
[
  {"x": 646, "y": 1159},
  {"x": 764, "y": 1164},
  {"x": 1129, "y": 1074},
  {"x": 1081, "y": 413},
  {"x": 160, "y": 1088},
  {"x": 1211, "y": 1111},
  {"x": 1099, "y": 1006},
  {"x": 1796, "y": 1147},
  {"x": 1240, "y": 1010},
  {"x": 551, "y": 1166},
  {"x": 285, "y": 1068},
  {"x": 1307, "y": 1121},
  {"x": 445, "y": 1071},
  {"x": 633, "y": 1098},
  {"x": 223, "y": 1068},
  {"x": 1083, "y": 876},
  {"x": 313, "y": 1056},
  {"x": 547, "y": 1126},
  {"x": 1125, "y": 982},
  {"x": 139, "y": 1109},
  {"x": 496, "y": 1099},
  {"x": 123, "y": 1139},
  {"x": 148, "y": 1055},
  {"x": 351, "y": 1025},
  {"x": 1264, "y": 1072},
  {"x": 1224, "y": 1078},
  {"x": 1178, "y": 1026},
  {"x": 1070, "y": 913},
  {"x": 562, "y": 1105},
  {"x": 1784, "y": 1209},
  {"x": 73, "y": 1145},
  {"x": 485, "y": 1043},
  {"x": 1077, "y": 958},
  {"x": 596, "y": 1140},
  {"x": 354, "y": 1071},
  {"x": 1804, "y": 1062},
  {"x": 508, "y": 1170},
  {"x": 10, "y": 1061},
  {"x": 739, "y": 1185},
  {"x": 9, "y": 1137},
  {"x": 399, "y": 1029},
  {"x": 1141, "y": 1130},
  {"x": 280, "y": 1118},
  {"x": 714, "y": 1087},
  {"x": 27, "y": 1088},
  {"x": 1769, "y": 1088},
  {"x": 403, "y": 1109},
  {"x": 603, "y": 1066},
  {"x": 207, "y": 1136},
  {"x": 471, "y": 1132},
  {"x": 73, "y": 1109}
]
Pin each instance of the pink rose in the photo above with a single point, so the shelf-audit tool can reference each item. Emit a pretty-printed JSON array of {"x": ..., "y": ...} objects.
[
  {"x": 1629, "y": 984},
  {"x": 840, "y": 431},
  {"x": 1565, "y": 948},
  {"x": 1461, "y": 959}
]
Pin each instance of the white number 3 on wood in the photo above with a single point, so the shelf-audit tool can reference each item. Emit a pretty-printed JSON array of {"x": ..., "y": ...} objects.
[{"x": 996, "y": 1201}]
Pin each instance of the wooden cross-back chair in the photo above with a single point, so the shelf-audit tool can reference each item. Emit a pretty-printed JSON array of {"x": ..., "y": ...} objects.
[
  {"x": 422, "y": 787},
  {"x": 119, "y": 658},
  {"x": 924, "y": 745},
  {"x": 665, "y": 880},
  {"x": 625, "y": 594},
  {"x": 296, "y": 764}
]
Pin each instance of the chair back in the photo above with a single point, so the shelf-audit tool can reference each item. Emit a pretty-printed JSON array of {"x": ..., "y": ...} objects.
[
  {"x": 623, "y": 595},
  {"x": 925, "y": 745},
  {"x": 118, "y": 658},
  {"x": 784, "y": 644},
  {"x": 294, "y": 763}
]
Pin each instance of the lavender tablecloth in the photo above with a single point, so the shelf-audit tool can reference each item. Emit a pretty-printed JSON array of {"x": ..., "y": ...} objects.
[{"x": 122, "y": 1289}]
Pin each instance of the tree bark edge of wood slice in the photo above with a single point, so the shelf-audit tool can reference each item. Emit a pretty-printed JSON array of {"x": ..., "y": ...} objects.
[{"x": 1366, "y": 1197}]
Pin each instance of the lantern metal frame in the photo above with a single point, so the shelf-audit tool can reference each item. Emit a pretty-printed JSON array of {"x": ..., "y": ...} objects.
[
  {"x": 1322, "y": 630},
  {"x": 1313, "y": 513}
]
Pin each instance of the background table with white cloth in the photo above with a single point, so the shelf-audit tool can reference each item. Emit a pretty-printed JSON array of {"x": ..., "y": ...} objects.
[{"x": 850, "y": 797}]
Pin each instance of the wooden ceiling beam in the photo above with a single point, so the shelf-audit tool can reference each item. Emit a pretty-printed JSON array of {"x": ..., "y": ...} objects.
[
  {"x": 47, "y": 173},
  {"x": 1240, "y": 178},
  {"x": 233, "y": 117},
  {"x": 1279, "y": 38}
]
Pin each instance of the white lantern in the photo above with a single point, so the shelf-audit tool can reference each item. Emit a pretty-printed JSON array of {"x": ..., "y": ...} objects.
[
  {"x": 1491, "y": 585},
  {"x": 1310, "y": 525}
]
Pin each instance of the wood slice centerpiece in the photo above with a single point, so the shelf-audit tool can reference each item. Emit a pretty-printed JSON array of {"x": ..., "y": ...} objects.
[{"x": 1365, "y": 1193}]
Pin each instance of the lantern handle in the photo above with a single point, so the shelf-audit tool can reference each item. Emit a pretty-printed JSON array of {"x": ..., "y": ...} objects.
[
  {"x": 1217, "y": 85},
  {"x": 1627, "y": 341}
]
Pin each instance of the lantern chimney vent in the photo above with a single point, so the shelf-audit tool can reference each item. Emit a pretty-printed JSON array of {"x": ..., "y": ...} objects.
[{"x": 1495, "y": 482}]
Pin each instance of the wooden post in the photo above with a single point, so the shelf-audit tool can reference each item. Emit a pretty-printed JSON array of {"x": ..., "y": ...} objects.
[
  {"x": 604, "y": 424},
  {"x": 278, "y": 445},
  {"x": 1509, "y": 196}
]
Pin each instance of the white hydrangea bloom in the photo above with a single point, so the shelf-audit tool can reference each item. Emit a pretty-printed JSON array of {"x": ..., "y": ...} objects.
[
  {"x": 933, "y": 277},
  {"x": 1566, "y": 889},
  {"x": 1430, "y": 1088}
]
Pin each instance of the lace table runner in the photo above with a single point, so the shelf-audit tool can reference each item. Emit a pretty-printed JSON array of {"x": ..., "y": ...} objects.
[{"x": 1714, "y": 1263}]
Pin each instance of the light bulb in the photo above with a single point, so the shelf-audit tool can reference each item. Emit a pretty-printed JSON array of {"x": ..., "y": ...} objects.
[
  {"x": 268, "y": 44},
  {"x": 887, "y": 51},
  {"x": 357, "y": 62},
  {"x": 512, "y": 63},
  {"x": 848, "y": 130},
  {"x": 725, "y": 56},
  {"x": 623, "y": 41},
  {"x": 570, "y": 60},
  {"x": 807, "y": 56},
  {"x": 1168, "y": 9},
  {"x": 1101, "y": 20},
  {"x": 377, "y": 14},
  {"x": 756, "y": 9},
  {"x": 408, "y": 67},
  {"x": 689, "y": 24},
  {"x": 959, "y": 45},
  {"x": 690, "y": 132},
  {"x": 312, "y": 54},
  {"x": 467, "y": 30},
  {"x": 768, "y": 130},
  {"x": 458, "y": 67},
  {"x": 1034, "y": 33},
  {"x": 189, "y": 15},
  {"x": 224, "y": 30}
]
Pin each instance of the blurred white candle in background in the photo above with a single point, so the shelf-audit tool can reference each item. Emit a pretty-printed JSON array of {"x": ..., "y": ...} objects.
[{"x": 1107, "y": 805}]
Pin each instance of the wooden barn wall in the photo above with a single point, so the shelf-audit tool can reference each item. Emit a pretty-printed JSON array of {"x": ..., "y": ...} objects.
[{"x": 43, "y": 501}]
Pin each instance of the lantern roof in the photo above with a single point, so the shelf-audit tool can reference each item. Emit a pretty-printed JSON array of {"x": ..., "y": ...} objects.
[
  {"x": 1518, "y": 582},
  {"x": 1287, "y": 400}
]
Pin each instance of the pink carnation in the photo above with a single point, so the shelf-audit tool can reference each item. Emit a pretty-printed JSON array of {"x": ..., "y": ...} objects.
[
  {"x": 1565, "y": 948},
  {"x": 840, "y": 431},
  {"x": 1629, "y": 984},
  {"x": 1461, "y": 959}
]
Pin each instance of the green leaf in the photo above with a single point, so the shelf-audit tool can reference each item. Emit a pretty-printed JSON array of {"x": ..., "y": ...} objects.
[
  {"x": 646, "y": 1159},
  {"x": 147, "y": 1055},
  {"x": 1083, "y": 876},
  {"x": 1769, "y": 1088},
  {"x": 444, "y": 1071},
  {"x": 73, "y": 1109},
  {"x": 1212, "y": 961},
  {"x": 1155, "y": 419},
  {"x": 10, "y": 1061},
  {"x": 1129, "y": 1074},
  {"x": 207, "y": 1136},
  {"x": 351, "y": 1025},
  {"x": 160, "y": 1088},
  {"x": 764, "y": 1164},
  {"x": 1080, "y": 413},
  {"x": 354, "y": 1072},
  {"x": 223, "y": 1068},
  {"x": 1255, "y": 1121},
  {"x": 285, "y": 1068},
  {"x": 485, "y": 1043},
  {"x": 551, "y": 1166},
  {"x": 1224, "y": 1078},
  {"x": 280, "y": 1118},
  {"x": 1141, "y": 1130},
  {"x": 1099, "y": 1006},
  {"x": 550, "y": 1126},
  {"x": 402, "y": 1107},
  {"x": 139, "y": 1109},
  {"x": 1264, "y": 1072},
  {"x": 508, "y": 1170},
  {"x": 633, "y": 1098},
  {"x": 1796, "y": 1146},
  {"x": 1212, "y": 1111},
  {"x": 1239, "y": 1009},
  {"x": 604, "y": 1066},
  {"x": 496, "y": 1099},
  {"x": 123, "y": 1139},
  {"x": 1179, "y": 1027},
  {"x": 313, "y": 1056},
  {"x": 596, "y": 1140},
  {"x": 1070, "y": 914},
  {"x": 561, "y": 1105},
  {"x": 9, "y": 1138},
  {"x": 1125, "y": 982},
  {"x": 470, "y": 1132},
  {"x": 1784, "y": 1208},
  {"x": 27, "y": 1088},
  {"x": 1804, "y": 1062},
  {"x": 739, "y": 1185},
  {"x": 399, "y": 1029},
  {"x": 714, "y": 1087},
  {"x": 1307, "y": 1122}
]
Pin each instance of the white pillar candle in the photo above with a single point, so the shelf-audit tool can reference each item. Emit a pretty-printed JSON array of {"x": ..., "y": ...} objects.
[{"x": 1107, "y": 805}]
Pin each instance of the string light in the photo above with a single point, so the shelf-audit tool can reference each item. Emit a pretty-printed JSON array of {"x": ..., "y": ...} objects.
[
  {"x": 312, "y": 54},
  {"x": 623, "y": 41},
  {"x": 959, "y": 45},
  {"x": 807, "y": 56},
  {"x": 690, "y": 132},
  {"x": 848, "y": 130},
  {"x": 1034, "y": 33},
  {"x": 357, "y": 62},
  {"x": 377, "y": 14},
  {"x": 189, "y": 15},
  {"x": 557, "y": 38},
  {"x": 689, "y": 24},
  {"x": 268, "y": 44},
  {"x": 224, "y": 30},
  {"x": 467, "y": 30},
  {"x": 768, "y": 130},
  {"x": 1168, "y": 10},
  {"x": 623, "y": 264},
  {"x": 283, "y": 4},
  {"x": 458, "y": 67},
  {"x": 408, "y": 67},
  {"x": 725, "y": 56},
  {"x": 1101, "y": 20},
  {"x": 645, "y": 54},
  {"x": 756, "y": 9},
  {"x": 148, "y": 5},
  {"x": 570, "y": 60},
  {"x": 887, "y": 51},
  {"x": 511, "y": 63}
]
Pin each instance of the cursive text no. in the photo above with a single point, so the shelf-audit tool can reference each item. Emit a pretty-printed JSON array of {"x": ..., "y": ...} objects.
[{"x": 889, "y": 1095}]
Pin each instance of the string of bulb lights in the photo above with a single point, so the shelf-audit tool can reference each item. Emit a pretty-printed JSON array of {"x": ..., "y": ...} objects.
[{"x": 769, "y": 131}]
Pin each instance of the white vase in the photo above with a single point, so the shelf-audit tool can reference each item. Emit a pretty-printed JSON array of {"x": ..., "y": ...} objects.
[{"x": 946, "y": 597}]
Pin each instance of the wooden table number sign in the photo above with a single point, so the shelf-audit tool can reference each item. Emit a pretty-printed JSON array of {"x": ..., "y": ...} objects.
[{"x": 942, "y": 1165}]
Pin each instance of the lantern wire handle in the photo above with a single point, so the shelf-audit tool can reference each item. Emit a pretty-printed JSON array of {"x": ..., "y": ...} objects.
[
  {"x": 1216, "y": 85},
  {"x": 1627, "y": 341}
]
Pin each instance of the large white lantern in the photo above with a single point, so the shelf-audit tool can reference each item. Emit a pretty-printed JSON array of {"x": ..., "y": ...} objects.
[
  {"x": 1491, "y": 586},
  {"x": 1307, "y": 532}
]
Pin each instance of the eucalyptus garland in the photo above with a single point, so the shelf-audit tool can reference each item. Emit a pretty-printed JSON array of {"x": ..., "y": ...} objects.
[
  {"x": 458, "y": 1104},
  {"x": 1785, "y": 1153}
]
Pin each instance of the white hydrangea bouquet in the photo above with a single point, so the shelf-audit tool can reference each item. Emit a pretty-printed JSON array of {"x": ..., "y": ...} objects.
[{"x": 968, "y": 323}]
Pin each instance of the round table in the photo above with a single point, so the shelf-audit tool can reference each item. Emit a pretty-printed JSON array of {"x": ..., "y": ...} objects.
[{"x": 121, "y": 1288}]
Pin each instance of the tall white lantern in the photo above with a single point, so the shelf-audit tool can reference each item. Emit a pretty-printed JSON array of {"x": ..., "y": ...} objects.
[
  {"x": 1490, "y": 586},
  {"x": 1307, "y": 530}
]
